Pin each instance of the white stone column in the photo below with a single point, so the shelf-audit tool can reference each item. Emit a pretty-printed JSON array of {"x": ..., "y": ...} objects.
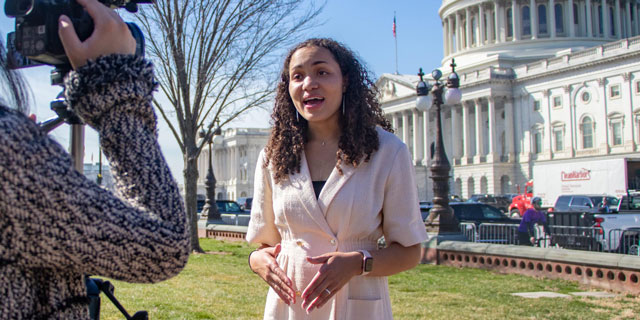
[
  {"x": 509, "y": 132},
  {"x": 514, "y": 21},
  {"x": 589, "y": 20},
  {"x": 468, "y": 30},
  {"x": 572, "y": 23},
  {"x": 605, "y": 19},
  {"x": 481, "y": 26},
  {"x": 491, "y": 117},
  {"x": 405, "y": 128},
  {"x": 551, "y": 19},
  {"x": 445, "y": 39},
  {"x": 618, "y": 31},
  {"x": 425, "y": 140},
  {"x": 455, "y": 134},
  {"x": 533, "y": 10},
  {"x": 394, "y": 122},
  {"x": 417, "y": 138},
  {"x": 479, "y": 131},
  {"x": 466, "y": 132}
]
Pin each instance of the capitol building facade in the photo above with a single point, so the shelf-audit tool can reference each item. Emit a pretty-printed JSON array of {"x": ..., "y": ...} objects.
[{"x": 541, "y": 81}]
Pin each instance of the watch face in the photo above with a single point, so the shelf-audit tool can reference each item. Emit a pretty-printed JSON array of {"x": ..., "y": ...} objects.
[{"x": 368, "y": 265}]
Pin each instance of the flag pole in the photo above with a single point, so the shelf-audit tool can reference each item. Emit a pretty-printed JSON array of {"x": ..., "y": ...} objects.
[{"x": 396, "y": 40}]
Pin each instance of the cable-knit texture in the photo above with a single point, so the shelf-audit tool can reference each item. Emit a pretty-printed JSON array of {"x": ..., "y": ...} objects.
[{"x": 57, "y": 226}]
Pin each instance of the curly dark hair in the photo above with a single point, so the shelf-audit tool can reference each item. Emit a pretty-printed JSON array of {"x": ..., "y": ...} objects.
[{"x": 358, "y": 139}]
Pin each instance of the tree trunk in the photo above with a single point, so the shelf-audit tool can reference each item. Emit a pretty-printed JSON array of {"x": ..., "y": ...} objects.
[{"x": 191, "y": 194}]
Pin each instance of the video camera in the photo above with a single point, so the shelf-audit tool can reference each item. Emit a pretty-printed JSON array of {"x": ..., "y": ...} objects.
[{"x": 35, "y": 40}]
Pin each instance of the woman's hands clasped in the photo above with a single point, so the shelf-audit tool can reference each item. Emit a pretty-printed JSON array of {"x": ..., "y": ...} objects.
[
  {"x": 263, "y": 262},
  {"x": 110, "y": 35},
  {"x": 336, "y": 269}
]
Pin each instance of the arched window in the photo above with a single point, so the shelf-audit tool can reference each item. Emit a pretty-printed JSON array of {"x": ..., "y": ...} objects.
[
  {"x": 509, "y": 23},
  {"x": 587, "y": 133},
  {"x": 559, "y": 18},
  {"x": 526, "y": 21},
  {"x": 505, "y": 185},
  {"x": 458, "y": 186},
  {"x": 542, "y": 19},
  {"x": 471, "y": 186},
  {"x": 484, "y": 185}
]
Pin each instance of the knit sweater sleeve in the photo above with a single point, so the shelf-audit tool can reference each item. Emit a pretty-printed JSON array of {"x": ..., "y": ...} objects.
[{"x": 51, "y": 216}]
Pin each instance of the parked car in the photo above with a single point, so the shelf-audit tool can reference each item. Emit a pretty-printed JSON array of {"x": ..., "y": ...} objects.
[
  {"x": 229, "y": 206},
  {"x": 583, "y": 203},
  {"x": 201, "y": 201},
  {"x": 499, "y": 202},
  {"x": 474, "y": 212}
]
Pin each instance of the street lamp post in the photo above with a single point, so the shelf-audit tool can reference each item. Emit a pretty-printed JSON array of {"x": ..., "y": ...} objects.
[
  {"x": 210, "y": 209},
  {"x": 440, "y": 166}
]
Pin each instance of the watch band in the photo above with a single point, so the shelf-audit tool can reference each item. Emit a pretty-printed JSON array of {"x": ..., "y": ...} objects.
[{"x": 367, "y": 262}]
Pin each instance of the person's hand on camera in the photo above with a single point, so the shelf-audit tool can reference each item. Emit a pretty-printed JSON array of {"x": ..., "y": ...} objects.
[
  {"x": 263, "y": 262},
  {"x": 110, "y": 35}
]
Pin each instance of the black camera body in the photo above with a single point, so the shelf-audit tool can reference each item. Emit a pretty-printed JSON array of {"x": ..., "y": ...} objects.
[{"x": 35, "y": 40}]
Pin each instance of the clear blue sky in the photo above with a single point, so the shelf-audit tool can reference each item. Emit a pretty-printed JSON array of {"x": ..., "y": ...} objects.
[{"x": 363, "y": 25}]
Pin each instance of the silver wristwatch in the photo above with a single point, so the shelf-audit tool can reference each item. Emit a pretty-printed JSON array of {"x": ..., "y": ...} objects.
[{"x": 367, "y": 262}]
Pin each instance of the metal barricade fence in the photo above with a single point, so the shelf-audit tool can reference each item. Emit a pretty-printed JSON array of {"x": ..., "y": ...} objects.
[
  {"x": 625, "y": 241},
  {"x": 577, "y": 238},
  {"x": 499, "y": 233},
  {"x": 469, "y": 230}
]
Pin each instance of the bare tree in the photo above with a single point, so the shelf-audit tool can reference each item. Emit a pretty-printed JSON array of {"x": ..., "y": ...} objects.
[{"x": 216, "y": 59}]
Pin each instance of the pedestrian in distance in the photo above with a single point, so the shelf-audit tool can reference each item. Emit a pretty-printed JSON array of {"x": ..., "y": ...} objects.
[
  {"x": 332, "y": 180},
  {"x": 531, "y": 217},
  {"x": 58, "y": 226}
]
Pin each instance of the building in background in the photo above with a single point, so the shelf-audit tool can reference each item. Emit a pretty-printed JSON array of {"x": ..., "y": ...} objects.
[
  {"x": 541, "y": 81},
  {"x": 235, "y": 155}
]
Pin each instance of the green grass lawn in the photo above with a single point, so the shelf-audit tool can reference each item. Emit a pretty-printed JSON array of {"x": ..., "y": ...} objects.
[{"x": 219, "y": 285}]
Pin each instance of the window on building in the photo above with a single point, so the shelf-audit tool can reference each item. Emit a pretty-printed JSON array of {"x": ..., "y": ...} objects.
[
  {"x": 616, "y": 132},
  {"x": 575, "y": 14},
  {"x": 509, "y": 23},
  {"x": 557, "y": 102},
  {"x": 637, "y": 87},
  {"x": 558, "y": 139},
  {"x": 485, "y": 31},
  {"x": 542, "y": 19},
  {"x": 614, "y": 91},
  {"x": 587, "y": 133},
  {"x": 474, "y": 27},
  {"x": 537, "y": 142},
  {"x": 536, "y": 105},
  {"x": 559, "y": 18},
  {"x": 600, "y": 20},
  {"x": 526, "y": 21},
  {"x": 586, "y": 97},
  {"x": 612, "y": 23}
]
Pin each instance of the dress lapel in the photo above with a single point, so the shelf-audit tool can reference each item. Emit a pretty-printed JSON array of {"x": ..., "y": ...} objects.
[
  {"x": 302, "y": 181},
  {"x": 334, "y": 183}
]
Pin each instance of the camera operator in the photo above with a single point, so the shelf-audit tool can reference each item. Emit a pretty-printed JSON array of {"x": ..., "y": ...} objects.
[{"x": 56, "y": 226}]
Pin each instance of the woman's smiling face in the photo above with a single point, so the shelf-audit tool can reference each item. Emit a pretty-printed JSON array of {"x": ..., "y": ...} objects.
[{"x": 316, "y": 84}]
